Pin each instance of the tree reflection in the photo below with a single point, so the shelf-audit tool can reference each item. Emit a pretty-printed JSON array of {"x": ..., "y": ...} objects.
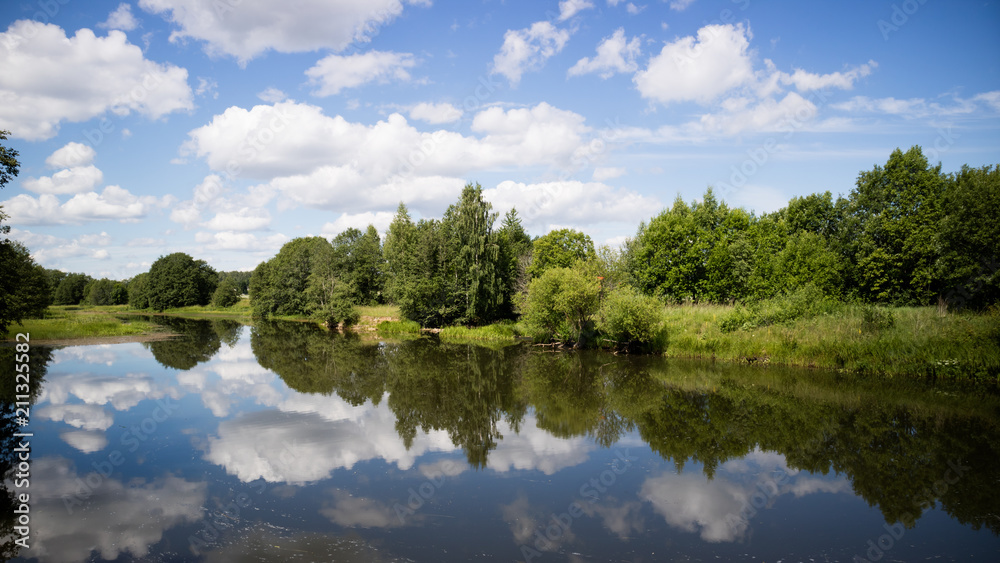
[
  {"x": 39, "y": 358},
  {"x": 197, "y": 340},
  {"x": 898, "y": 445}
]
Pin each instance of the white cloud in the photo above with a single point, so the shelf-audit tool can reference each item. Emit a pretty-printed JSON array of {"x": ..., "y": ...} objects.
[
  {"x": 333, "y": 73},
  {"x": 701, "y": 69},
  {"x": 121, "y": 18},
  {"x": 740, "y": 115},
  {"x": 601, "y": 173},
  {"x": 569, "y": 202},
  {"x": 251, "y": 27},
  {"x": 360, "y": 221},
  {"x": 113, "y": 203},
  {"x": 243, "y": 219},
  {"x": 358, "y": 512},
  {"x": 805, "y": 81},
  {"x": 436, "y": 113},
  {"x": 87, "y": 417},
  {"x": 229, "y": 240},
  {"x": 527, "y": 49},
  {"x": 921, "y": 107},
  {"x": 680, "y": 5},
  {"x": 331, "y": 163},
  {"x": 69, "y": 181},
  {"x": 272, "y": 95},
  {"x": 614, "y": 55},
  {"x": 633, "y": 9},
  {"x": 53, "y": 78},
  {"x": 87, "y": 441},
  {"x": 71, "y": 155},
  {"x": 570, "y": 8}
]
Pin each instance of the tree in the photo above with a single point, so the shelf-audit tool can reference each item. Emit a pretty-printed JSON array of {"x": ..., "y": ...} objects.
[
  {"x": 9, "y": 166},
  {"x": 477, "y": 256},
  {"x": 400, "y": 243},
  {"x": 969, "y": 239},
  {"x": 24, "y": 287},
  {"x": 138, "y": 291},
  {"x": 178, "y": 280},
  {"x": 559, "y": 249},
  {"x": 105, "y": 292},
  {"x": 897, "y": 212},
  {"x": 357, "y": 262},
  {"x": 227, "y": 293},
  {"x": 514, "y": 246},
  {"x": 71, "y": 288}
]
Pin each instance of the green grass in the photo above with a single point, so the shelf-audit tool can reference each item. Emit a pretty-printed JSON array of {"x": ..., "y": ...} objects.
[
  {"x": 379, "y": 311},
  {"x": 904, "y": 341},
  {"x": 387, "y": 328},
  {"x": 504, "y": 331},
  {"x": 67, "y": 323}
]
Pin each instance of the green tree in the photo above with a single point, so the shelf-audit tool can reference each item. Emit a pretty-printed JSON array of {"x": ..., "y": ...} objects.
[
  {"x": 358, "y": 263},
  {"x": 807, "y": 258},
  {"x": 138, "y": 291},
  {"x": 24, "y": 286},
  {"x": 477, "y": 256},
  {"x": 634, "y": 321},
  {"x": 969, "y": 239},
  {"x": 559, "y": 249},
  {"x": 105, "y": 292},
  {"x": 240, "y": 279},
  {"x": 897, "y": 212},
  {"x": 514, "y": 257},
  {"x": 71, "y": 288},
  {"x": 400, "y": 244},
  {"x": 178, "y": 280},
  {"x": 227, "y": 293}
]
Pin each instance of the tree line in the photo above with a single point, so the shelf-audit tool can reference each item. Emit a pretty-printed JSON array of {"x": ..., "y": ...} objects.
[{"x": 907, "y": 234}]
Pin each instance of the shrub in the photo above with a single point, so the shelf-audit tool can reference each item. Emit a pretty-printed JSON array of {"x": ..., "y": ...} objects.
[
  {"x": 560, "y": 305},
  {"x": 632, "y": 320},
  {"x": 227, "y": 294}
]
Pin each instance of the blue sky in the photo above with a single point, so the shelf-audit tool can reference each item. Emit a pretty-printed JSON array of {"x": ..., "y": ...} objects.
[{"x": 226, "y": 128}]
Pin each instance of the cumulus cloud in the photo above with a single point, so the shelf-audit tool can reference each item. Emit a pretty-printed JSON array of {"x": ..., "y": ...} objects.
[
  {"x": 121, "y": 18},
  {"x": 333, "y": 73},
  {"x": 53, "y": 78},
  {"x": 87, "y": 441},
  {"x": 71, "y": 155},
  {"x": 243, "y": 219},
  {"x": 614, "y": 54},
  {"x": 113, "y": 203},
  {"x": 252, "y": 27},
  {"x": 359, "y": 512},
  {"x": 698, "y": 68},
  {"x": 607, "y": 173},
  {"x": 87, "y": 417},
  {"x": 360, "y": 221},
  {"x": 526, "y": 50},
  {"x": 230, "y": 240},
  {"x": 332, "y": 163},
  {"x": 436, "y": 113},
  {"x": 69, "y": 181}
]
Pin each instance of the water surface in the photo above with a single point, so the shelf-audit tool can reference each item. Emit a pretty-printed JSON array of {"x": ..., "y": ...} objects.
[{"x": 284, "y": 442}]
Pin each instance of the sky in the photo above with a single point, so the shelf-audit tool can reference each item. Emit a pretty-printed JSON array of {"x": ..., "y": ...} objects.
[{"x": 226, "y": 128}]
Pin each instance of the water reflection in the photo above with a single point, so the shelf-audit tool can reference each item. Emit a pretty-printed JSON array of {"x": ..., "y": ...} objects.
[{"x": 347, "y": 449}]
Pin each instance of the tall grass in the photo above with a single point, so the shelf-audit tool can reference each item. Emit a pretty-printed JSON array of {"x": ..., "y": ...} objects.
[
  {"x": 499, "y": 332},
  {"x": 386, "y": 328},
  {"x": 62, "y": 325}
]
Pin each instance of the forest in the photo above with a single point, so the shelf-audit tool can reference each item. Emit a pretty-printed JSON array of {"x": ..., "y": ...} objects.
[{"x": 907, "y": 234}]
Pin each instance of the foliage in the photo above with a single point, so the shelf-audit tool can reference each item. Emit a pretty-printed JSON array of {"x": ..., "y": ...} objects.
[
  {"x": 559, "y": 249},
  {"x": 804, "y": 302},
  {"x": 105, "y": 292},
  {"x": 24, "y": 286},
  {"x": 178, "y": 280},
  {"x": 876, "y": 319},
  {"x": 239, "y": 278},
  {"x": 896, "y": 210},
  {"x": 138, "y": 291},
  {"x": 504, "y": 331},
  {"x": 71, "y": 288},
  {"x": 227, "y": 293},
  {"x": 969, "y": 265},
  {"x": 632, "y": 320},
  {"x": 357, "y": 261},
  {"x": 294, "y": 282},
  {"x": 560, "y": 305}
]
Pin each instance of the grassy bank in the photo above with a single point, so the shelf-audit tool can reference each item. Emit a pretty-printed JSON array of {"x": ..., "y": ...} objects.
[
  {"x": 903, "y": 341},
  {"x": 71, "y": 322}
]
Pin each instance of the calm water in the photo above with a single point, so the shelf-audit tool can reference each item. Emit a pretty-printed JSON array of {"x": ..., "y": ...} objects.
[{"x": 283, "y": 442}]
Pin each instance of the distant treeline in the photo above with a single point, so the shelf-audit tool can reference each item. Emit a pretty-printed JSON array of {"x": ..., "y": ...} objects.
[{"x": 907, "y": 234}]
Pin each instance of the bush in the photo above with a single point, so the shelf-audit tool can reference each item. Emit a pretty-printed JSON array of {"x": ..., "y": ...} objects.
[
  {"x": 876, "y": 319},
  {"x": 804, "y": 302},
  {"x": 633, "y": 321},
  {"x": 561, "y": 304}
]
